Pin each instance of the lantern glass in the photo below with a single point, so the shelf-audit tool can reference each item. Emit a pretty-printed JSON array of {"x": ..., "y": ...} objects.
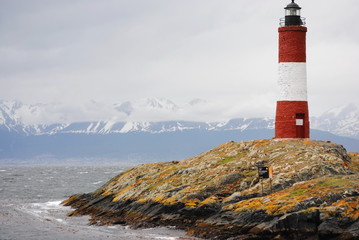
[{"x": 292, "y": 12}]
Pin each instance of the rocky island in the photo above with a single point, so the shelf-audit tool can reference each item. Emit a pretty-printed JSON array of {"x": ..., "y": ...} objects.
[{"x": 313, "y": 193}]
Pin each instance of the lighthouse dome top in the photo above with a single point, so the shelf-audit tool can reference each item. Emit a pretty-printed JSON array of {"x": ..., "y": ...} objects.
[
  {"x": 292, "y": 5},
  {"x": 292, "y": 15}
]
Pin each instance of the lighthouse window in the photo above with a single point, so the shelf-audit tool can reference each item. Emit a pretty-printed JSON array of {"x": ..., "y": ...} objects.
[{"x": 299, "y": 122}]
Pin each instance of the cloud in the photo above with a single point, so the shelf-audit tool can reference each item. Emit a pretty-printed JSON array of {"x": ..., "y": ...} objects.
[{"x": 118, "y": 50}]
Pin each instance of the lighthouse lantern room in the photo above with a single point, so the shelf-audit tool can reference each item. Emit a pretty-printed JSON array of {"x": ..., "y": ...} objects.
[
  {"x": 292, "y": 115},
  {"x": 292, "y": 14}
]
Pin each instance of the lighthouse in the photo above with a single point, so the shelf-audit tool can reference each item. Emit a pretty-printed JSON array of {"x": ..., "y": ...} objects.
[{"x": 292, "y": 115}]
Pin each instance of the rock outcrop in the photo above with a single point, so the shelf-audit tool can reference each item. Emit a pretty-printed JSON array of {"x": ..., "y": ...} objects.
[{"x": 314, "y": 193}]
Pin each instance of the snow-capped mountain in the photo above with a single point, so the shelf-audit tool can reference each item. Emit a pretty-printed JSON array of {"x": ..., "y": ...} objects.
[
  {"x": 15, "y": 117},
  {"x": 14, "y": 113},
  {"x": 343, "y": 120},
  {"x": 54, "y": 118},
  {"x": 122, "y": 137},
  {"x": 21, "y": 118}
]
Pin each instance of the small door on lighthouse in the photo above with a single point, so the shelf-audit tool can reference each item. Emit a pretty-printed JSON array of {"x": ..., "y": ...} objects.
[{"x": 299, "y": 122}]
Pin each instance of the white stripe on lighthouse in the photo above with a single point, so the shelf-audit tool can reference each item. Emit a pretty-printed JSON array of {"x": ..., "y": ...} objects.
[{"x": 292, "y": 81}]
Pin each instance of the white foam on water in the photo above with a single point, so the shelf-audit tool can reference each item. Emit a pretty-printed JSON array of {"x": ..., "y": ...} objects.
[
  {"x": 53, "y": 215},
  {"x": 47, "y": 211},
  {"x": 49, "y": 205},
  {"x": 112, "y": 227},
  {"x": 60, "y": 220}
]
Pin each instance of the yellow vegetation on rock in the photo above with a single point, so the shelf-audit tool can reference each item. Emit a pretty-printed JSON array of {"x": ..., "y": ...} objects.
[
  {"x": 284, "y": 201},
  {"x": 192, "y": 203},
  {"x": 209, "y": 200}
]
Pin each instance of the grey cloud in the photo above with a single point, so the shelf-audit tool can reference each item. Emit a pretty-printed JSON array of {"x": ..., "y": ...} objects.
[{"x": 115, "y": 50}]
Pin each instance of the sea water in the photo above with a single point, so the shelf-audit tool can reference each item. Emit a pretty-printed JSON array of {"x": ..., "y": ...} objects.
[{"x": 30, "y": 206}]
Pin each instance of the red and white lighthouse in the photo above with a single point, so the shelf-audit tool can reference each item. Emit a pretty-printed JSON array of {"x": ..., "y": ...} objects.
[{"x": 292, "y": 116}]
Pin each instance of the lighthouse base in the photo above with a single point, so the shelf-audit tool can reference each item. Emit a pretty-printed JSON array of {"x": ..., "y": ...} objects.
[{"x": 292, "y": 119}]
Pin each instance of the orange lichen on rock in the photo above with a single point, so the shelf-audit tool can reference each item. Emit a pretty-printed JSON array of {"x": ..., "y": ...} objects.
[
  {"x": 285, "y": 201},
  {"x": 170, "y": 201},
  {"x": 349, "y": 208},
  {"x": 209, "y": 200},
  {"x": 192, "y": 203},
  {"x": 261, "y": 142}
]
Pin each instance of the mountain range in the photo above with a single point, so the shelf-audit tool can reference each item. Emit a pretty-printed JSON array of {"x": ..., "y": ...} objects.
[{"x": 123, "y": 136}]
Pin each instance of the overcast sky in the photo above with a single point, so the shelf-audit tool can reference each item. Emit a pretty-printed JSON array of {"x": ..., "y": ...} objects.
[{"x": 110, "y": 51}]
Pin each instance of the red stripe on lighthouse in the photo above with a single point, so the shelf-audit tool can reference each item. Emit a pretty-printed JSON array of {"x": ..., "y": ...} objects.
[
  {"x": 292, "y": 119},
  {"x": 292, "y": 44}
]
